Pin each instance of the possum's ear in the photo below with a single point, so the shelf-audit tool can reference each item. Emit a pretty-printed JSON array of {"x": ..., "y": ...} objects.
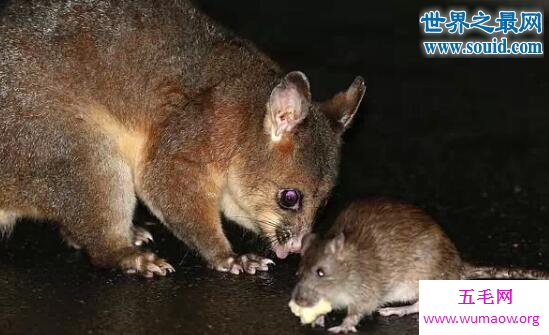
[
  {"x": 341, "y": 108},
  {"x": 288, "y": 105},
  {"x": 336, "y": 244},
  {"x": 307, "y": 241}
]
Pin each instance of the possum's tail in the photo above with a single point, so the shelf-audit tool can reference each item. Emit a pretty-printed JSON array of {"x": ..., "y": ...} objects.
[{"x": 487, "y": 272}]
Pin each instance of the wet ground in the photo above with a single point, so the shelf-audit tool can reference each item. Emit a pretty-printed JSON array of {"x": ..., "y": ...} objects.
[{"x": 466, "y": 139}]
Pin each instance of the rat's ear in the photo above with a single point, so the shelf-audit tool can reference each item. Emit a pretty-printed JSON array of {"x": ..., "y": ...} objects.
[
  {"x": 307, "y": 241},
  {"x": 336, "y": 244},
  {"x": 288, "y": 105},
  {"x": 341, "y": 108}
]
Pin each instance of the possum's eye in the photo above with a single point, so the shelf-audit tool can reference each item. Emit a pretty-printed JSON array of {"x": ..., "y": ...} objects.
[
  {"x": 320, "y": 272},
  {"x": 289, "y": 198}
]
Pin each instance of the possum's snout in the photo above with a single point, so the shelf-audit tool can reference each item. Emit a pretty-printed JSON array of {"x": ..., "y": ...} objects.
[
  {"x": 287, "y": 244},
  {"x": 305, "y": 296}
]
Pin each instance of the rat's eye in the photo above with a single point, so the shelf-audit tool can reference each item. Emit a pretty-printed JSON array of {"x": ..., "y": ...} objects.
[
  {"x": 320, "y": 272},
  {"x": 289, "y": 198}
]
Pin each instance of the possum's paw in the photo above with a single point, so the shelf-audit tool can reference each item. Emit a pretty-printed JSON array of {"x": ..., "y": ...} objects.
[
  {"x": 229, "y": 265},
  {"x": 146, "y": 264},
  {"x": 249, "y": 263},
  {"x": 252, "y": 263},
  {"x": 141, "y": 236}
]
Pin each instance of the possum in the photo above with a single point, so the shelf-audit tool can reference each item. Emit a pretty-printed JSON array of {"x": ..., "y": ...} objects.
[
  {"x": 375, "y": 254},
  {"x": 104, "y": 102}
]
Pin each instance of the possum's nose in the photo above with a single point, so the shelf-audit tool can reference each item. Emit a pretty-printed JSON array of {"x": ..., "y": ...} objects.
[{"x": 293, "y": 245}]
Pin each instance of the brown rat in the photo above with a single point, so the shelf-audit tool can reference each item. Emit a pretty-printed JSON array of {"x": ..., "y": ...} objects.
[
  {"x": 375, "y": 254},
  {"x": 103, "y": 102}
]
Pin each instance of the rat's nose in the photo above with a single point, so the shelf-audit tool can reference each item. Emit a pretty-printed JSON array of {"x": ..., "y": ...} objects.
[
  {"x": 295, "y": 245},
  {"x": 303, "y": 297}
]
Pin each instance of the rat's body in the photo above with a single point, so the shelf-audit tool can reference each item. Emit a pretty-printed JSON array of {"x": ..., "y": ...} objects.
[
  {"x": 103, "y": 102},
  {"x": 375, "y": 254}
]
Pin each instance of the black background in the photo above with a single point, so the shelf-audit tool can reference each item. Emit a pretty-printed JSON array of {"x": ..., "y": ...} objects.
[{"x": 465, "y": 139}]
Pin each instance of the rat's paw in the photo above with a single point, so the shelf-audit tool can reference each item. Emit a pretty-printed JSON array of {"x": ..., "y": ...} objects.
[
  {"x": 146, "y": 264},
  {"x": 319, "y": 322},
  {"x": 248, "y": 263},
  {"x": 141, "y": 236},
  {"x": 343, "y": 329},
  {"x": 252, "y": 263}
]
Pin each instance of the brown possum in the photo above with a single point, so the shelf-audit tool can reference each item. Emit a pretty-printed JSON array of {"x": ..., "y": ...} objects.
[
  {"x": 103, "y": 102},
  {"x": 375, "y": 254}
]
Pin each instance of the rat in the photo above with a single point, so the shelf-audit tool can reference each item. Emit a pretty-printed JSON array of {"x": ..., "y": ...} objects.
[
  {"x": 104, "y": 103},
  {"x": 375, "y": 254}
]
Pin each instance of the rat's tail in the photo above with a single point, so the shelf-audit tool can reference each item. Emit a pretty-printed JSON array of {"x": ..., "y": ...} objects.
[{"x": 488, "y": 272}]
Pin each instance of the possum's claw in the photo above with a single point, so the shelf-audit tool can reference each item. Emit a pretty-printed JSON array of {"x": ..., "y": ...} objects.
[
  {"x": 72, "y": 244},
  {"x": 141, "y": 236},
  {"x": 252, "y": 263},
  {"x": 146, "y": 264},
  {"x": 249, "y": 263},
  {"x": 229, "y": 265}
]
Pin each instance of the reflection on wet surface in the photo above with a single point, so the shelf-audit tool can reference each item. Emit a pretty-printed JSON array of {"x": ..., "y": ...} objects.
[{"x": 47, "y": 288}]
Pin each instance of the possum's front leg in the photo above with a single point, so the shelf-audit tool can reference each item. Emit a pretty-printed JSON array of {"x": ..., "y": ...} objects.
[
  {"x": 185, "y": 196},
  {"x": 91, "y": 197}
]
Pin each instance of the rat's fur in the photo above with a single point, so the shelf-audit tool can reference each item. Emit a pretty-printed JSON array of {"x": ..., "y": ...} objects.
[
  {"x": 103, "y": 101},
  {"x": 375, "y": 254}
]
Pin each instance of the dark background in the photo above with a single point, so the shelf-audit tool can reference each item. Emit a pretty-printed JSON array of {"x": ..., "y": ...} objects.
[{"x": 465, "y": 139}]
